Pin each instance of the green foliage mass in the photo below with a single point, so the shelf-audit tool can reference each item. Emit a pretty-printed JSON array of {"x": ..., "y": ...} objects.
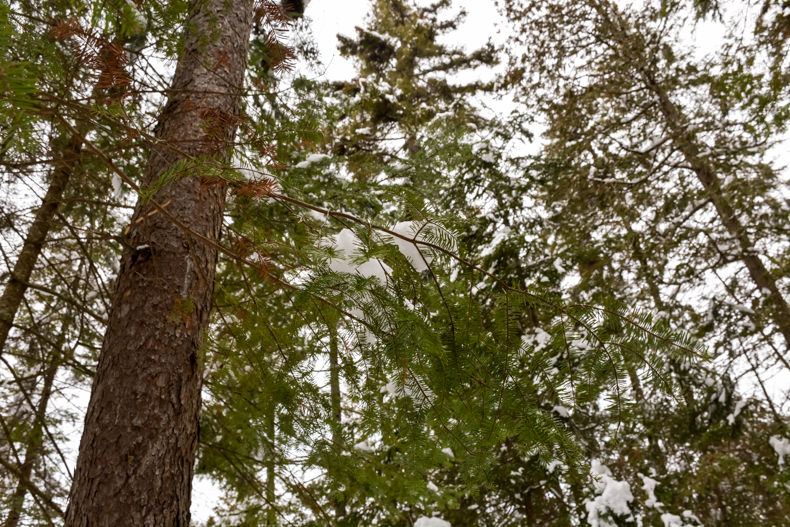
[{"x": 415, "y": 312}]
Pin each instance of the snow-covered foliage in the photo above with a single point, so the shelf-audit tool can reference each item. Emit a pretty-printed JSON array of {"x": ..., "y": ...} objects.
[
  {"x": 431, "y": 522},
  {"x": 612, "y": 497}
]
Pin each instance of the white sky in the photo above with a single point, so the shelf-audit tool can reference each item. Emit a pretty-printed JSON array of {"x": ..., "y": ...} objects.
[{"x": 327, "y": 18}]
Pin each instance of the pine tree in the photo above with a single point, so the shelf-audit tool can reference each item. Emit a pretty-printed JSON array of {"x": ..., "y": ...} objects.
[
  {"x": 657, "y": 184},
  {"x": 365, "y": 326},
  {"x": 137, "y": 451}
]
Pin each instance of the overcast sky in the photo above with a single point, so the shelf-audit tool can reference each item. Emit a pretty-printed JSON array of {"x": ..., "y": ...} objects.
[{"x": 327, "y": 18}]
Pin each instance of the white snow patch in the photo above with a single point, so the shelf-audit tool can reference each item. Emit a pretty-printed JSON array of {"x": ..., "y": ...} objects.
[
  {"x": 424, "y": 521},
  {"x": 673, "y": 520},
  {"x": 613, "y": 496},
  {"x": 346, "y": 245},
  {"x": 448, "y": 451},
  {"x": 691, "y": 516},
  {"x": 738, "y": 407},
  {"x": 363, "y": 446},
  {"x": 317, "y": 215},
  {"x": 655, "y": 142},
  {"x": 432, "y": 486},
  {"x": 375, "y": 268},
  {"x": 374, "y": 33},
  {"x": 558, "y": 266},
  {"x": 781, "y": 446},
  {"x": 561, "y": 411},
  {"x": 117, "y": 187},
  {"x": 537, "y": 338},
  {"x": 419, "y": 258},
  {"x": 649, "y": 486},
  {"x": 502, "y": 232},
  {"x": 553, "y": 464},
  {"x": 311, "y": 159}
]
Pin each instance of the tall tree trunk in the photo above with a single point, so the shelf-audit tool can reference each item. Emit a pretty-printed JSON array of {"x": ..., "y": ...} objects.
[
  {"x": 136, "y": 458},
  {"x": 19, "y": 277},
  {"x": 337, "y": 415},
  {"x": 34, "y": 441}
]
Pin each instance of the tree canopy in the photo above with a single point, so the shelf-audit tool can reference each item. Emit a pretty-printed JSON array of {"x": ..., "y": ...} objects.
[{"x": 539, "y": 282}]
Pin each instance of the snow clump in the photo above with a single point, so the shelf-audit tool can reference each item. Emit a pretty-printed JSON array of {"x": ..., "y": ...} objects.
[
  {"x": 423, "y": 521},
  {"x": 363, "y": 446},
  {"x": 673, "y": 520},
  {"x": 539, "y": 338},
  {"x": 781, "y": 447},
  {"x": 426, "y": 232},
  {"x": 312, "y": 159},
  {"x": 117, "y": 187},
  {"x": 649, "y": 486},
  {"x": 613, "y": 496},
  {"x": 736, "y": 411},
  {"x": 346, "y": 244},
  {"x": 561, "y": 411}
]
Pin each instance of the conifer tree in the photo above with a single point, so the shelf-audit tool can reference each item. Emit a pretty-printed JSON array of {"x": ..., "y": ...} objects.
[
  {"x": 137, "y": 451},
  {"x": 635, "y": 129},
  {"x": 393, "y": 150},
  {"x": 365, "y": 325}
]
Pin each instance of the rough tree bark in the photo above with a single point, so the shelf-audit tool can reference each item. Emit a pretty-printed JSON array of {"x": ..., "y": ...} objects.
[{"x": 137, "y": 452}]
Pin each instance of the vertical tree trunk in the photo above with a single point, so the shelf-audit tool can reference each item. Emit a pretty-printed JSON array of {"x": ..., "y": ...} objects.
[
  {"x": 19, "y": 278},
  {"x": 34, "y": 441},
  {"x": 137, "y": 452},
  {"x": 271, "y": 496},
  {"x": 337, "y": 415}
]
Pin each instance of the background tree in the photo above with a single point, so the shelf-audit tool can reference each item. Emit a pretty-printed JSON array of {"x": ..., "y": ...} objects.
[
  {"x": 659, "y": 188},
  {"x": 406, "y": 341},
  {"x": 56, "y": 293}
]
